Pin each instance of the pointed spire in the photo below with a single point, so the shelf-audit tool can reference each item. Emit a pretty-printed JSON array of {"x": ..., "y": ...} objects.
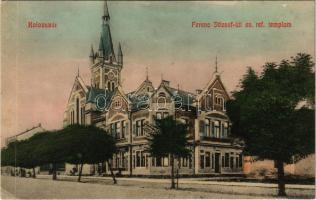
[
  {"x": 101, "y": 46},
  {"x": 92, "y": 55},
  {"x": 78, "y": 72},
  {"x": 216, "y": 68},
  {"x": 120, "y": 55},
  {"x": 91, "y": 52},
  {"x": 216, "y": 64},
  {"x": 106, "y": 15},
  {"x": 147, "y": 74}
]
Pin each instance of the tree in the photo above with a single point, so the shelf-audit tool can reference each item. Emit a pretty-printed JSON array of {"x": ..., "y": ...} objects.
[
  {"x": 21, "y": 154},
  {"x": 265, "y": 112},
  {"x": 50, "y": 147},
  {"x": 170, "y": 138},
  {"x": 8, "y": 155},
  {"x": 25, "y": 157},
  {"x": 88, "y": 145}
]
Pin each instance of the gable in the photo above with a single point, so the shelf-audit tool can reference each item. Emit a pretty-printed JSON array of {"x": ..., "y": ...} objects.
[
  {"x": 215, "y": 86},
  {"x": 118, "y": 104},
  {"x": 145, "y": 87},
  {"x": 214, "y": 96},
  {"x": 78, "y": 90},
  {"x": 162, "y": 91}
]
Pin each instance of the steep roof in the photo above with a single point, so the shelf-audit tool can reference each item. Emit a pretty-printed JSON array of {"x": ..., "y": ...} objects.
[
  {"x": 81, "y": 83},
  {"x": 94, "y": 92},
  {"x": 187, "y": 97},
  {"x": 106, "y": 45},
  {"x": 216, "y": 77}
]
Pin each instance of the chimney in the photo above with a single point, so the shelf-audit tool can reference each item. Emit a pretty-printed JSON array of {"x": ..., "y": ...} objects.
[
  {"x": 198, "y": 91},
  {"x": 166, "y": 83}
]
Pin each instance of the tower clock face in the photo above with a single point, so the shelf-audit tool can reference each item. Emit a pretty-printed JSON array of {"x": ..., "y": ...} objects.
[{"x": 111, "y": 76}]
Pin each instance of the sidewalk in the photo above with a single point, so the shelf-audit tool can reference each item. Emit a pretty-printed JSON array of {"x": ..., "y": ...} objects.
[
  {"x": 201, "y": 185},
  {"x": 6, "y": 195},
  {"x": 43, "y": 188},
  {"x": 200, "y": 181}
]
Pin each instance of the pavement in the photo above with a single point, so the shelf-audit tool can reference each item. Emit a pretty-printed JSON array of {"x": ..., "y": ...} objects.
[
  {"x": 102, "y": 187},
  {"x": 6, "y": 195}
]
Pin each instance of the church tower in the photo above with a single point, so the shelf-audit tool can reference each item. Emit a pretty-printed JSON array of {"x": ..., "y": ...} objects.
[{"x": 105, "y": 67}]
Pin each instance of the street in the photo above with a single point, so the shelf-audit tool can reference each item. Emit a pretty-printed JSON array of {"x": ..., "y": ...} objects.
[{"x": 96, "y": 188}]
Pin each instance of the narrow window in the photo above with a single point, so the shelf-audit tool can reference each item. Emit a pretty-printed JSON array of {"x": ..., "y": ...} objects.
[
  {"x": 202, "y": 161},
  {"x": 240, "y": 160},
  {"x": 213, "y": 161},
  {"x": 118, "y": 130},
  {"x": 153, "y": 161},
  {"x": 113, "y": 87},
  {"x": 123, "y": 129},
  {"x": 226, "y": 160},
  {"x": 142, "y": 159},
  {"x": 207, "y": 128},
  {"x": 138, "y": 128},
  {"x": 77, "y": 111},
  {"x": 231, "y": 162},
  {"x": 158, "y": 161},
  {"x": 158, "y": 115},
  {"x": 165, "y": 114},
  {"x": 142, "y": 126},
  {"x": 138, "y": 159},
  {"x": 207, "y": 159},
  {"x": 109, "y": 86}
]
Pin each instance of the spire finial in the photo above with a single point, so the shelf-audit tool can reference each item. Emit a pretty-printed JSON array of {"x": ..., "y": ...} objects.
[
  {"x": 161, "y": 76},
  {"x": 178, "y": 86},
  {"x": 91, "y": 52},
  {"x": 146, "y": 73},
  {"x": 120, "y": 55},
  {"x": 78, "y": 72},
  {"x": 106, "y": 15},
  {"x": 216, "y": 64}
]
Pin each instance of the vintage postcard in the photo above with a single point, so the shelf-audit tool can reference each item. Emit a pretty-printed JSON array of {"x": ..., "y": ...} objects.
[{"x": 157, "y": 99}]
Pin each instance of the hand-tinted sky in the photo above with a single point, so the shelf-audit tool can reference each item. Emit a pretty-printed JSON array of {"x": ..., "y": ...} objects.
[{"x": 39, "y": 65}]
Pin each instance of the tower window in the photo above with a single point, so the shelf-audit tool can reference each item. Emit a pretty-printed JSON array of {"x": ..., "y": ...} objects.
[
  {"x": 112, "y": 86},
  {"x": 109, "y": 85}
]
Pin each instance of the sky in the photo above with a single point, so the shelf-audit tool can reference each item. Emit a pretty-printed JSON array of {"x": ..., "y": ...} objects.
[{"x": 38, "y": 66}]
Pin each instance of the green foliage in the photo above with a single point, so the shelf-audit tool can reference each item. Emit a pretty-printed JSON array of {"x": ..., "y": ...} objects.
[
  {"x": 170, "y": 138},
  {"x": 88, "y": 144},
  {"x": 74, "y": 144},
  {"x": 264, "y": 111}
]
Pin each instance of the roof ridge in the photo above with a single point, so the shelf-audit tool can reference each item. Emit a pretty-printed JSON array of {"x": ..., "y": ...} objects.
[
  {"x": 181, "y": 90},
  {"x": 27, "y": 130}
]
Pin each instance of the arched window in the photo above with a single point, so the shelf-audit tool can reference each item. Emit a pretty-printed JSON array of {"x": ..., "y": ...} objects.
[
  {"x": 113, "y": 86},
  {"x": 77, "y": 110},
  {"x": 117, "y": 103},
  {"x": 162, "y": 94},
  {"x": 109, "y": 85},
  {"x": 71, "y": 117},
  {"x": 219, "y": 100}
]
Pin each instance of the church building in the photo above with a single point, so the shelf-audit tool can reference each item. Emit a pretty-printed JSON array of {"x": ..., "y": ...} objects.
[{"x": 129, "y": 117}]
